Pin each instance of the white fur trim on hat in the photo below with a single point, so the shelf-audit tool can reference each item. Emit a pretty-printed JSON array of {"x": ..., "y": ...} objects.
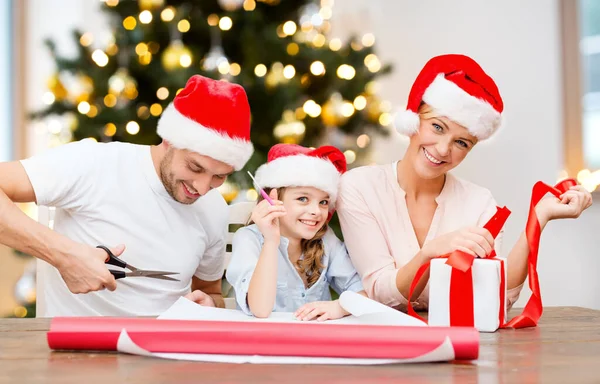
[
  {"x": 407, "y": 122},
  {"x": 184, "y": 133},
  {"x": 451, "y": 101},
  {"x": 300, "y": 171}
]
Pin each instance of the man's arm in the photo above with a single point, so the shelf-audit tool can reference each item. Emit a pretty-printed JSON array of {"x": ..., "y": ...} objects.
[
  {"x": 202, "y": 288},
  {"x": 82, "y": 267}
]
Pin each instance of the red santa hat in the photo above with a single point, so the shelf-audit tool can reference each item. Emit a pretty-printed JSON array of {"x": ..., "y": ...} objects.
[
  {"x": 212, "y": 118},
  {"x": 291, "y": 165},
  {"x": 456, "y": 87}
]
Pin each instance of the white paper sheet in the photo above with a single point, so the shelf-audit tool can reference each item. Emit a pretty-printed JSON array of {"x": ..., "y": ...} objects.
[{"x": 363, "y": 311}]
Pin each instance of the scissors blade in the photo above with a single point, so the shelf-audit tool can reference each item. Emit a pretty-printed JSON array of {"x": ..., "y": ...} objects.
[
  {"x": 162, "y": 277},
  {"x": 143, "y": 272},
  {"x": 153, "y": 276}
]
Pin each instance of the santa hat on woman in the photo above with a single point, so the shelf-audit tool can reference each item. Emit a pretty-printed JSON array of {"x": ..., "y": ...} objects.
[
  {"x": 291, "y": 165},
  {"x": 456, "y": 87},
  {"x": 212, "y": 118}
]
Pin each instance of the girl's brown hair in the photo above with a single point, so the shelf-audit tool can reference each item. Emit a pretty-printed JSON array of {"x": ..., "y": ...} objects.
[{"x": 313, "y": 250}]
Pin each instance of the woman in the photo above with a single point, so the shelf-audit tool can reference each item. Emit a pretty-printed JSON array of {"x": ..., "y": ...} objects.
[{"x": 397, "y": 217}]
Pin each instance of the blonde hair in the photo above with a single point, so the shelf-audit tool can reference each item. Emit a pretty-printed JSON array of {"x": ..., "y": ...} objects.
[
  {"x": 426, "y": 112},
  {"x": 313, "y": 250}
]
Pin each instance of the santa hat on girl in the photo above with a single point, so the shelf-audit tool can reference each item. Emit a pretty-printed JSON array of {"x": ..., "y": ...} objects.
[
  {"x": 291, "y": 165},
  {"x": 212, "y": 118},
  {"x": 456, "y": 87}
]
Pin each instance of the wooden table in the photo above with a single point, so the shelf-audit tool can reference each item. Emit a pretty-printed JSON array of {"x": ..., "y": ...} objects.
[{"x": 565, "y": 348}]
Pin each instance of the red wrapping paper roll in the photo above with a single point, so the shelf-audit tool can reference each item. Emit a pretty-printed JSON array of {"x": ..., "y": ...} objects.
[{"x": 268, "y": 339}]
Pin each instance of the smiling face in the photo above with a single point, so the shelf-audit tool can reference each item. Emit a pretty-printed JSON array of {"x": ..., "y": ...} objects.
[
  {"x": 188, "y": 175},
  {"x": 439, "y": 146},
  {"x": 307, "y": 209}
]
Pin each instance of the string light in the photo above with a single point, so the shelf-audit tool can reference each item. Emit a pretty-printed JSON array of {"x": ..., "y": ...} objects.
[
  {"x": 319, "y": 40},
  {"x": 155, "y": 109},
  {"x": 143, "y": 112},
  {"x": 83, "y": 107},
  {"x": 86, "y": 39},
  {"x": 289, "y": 28},
  {"x": 48, "y": 98},
  {"x": 368, "y": 40},
  {"x": 93, "y": 112},
  {"x": 213, "y": 20},
  {"x": 141, "y": 49},
  {"x": 129, "y": 23},
  {"x": 162, "y": 93},
  {"x": 225, "y": 23},
  {"x": 589, "y": 180},
  {"x": 183, "y": 26},
  {"x": 110, "y": 100},
  {"x": 289, "y": 71},
  {"x": 249, "y": 5},
  {"x": 132, "y": 128},
  {"x": 145, "y": 17},
  {"x": 350, "y": 156},
  {"x": 251, "y": 195},
  {"x": 235, "y": 69},
  {"x": 363, "y": 141},
  {"x": 223, "y": 67},
  {"x": 346, "y": 72},
  {"x": 167, "y": 14},
  {"x": 385, "y": 119},
  {"x": 112, "y": 3},
  {"x": 260, "y": 70},
  {"x": 317, "y": 68},
  {"x": 185, "y": 60},
  {"x": 110, "y": 130},
  {"x": 360, "y": 102},
  {"x": 311, "y": 108},
  {"x": 372, "y": 62},
  {"x": 293, "y": 49},
  {"x": 335, "y": 44},
  {"x": 100, "y": 58}
]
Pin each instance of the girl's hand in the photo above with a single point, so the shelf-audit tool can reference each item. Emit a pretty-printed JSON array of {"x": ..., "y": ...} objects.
[
  {"x": 266, "y": 217},
  {"x": 475, "y": 241},
  {"x": 569, "y": 206},
  {"x": 322, "y": 310}
]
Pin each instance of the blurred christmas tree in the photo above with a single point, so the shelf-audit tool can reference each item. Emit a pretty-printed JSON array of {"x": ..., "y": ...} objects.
[{"x": 302, "y": 87}]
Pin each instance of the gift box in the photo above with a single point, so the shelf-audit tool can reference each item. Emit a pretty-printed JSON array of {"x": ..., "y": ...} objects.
[{"x": 476, "y": 296}]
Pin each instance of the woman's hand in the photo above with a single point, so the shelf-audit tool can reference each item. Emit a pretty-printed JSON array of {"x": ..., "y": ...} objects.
[
  {"x": 322, "y": 310},
  {"x": 569, "y": 206},
  {"x": 475, "y": 241},
  {"x": 266, "y": 217}
]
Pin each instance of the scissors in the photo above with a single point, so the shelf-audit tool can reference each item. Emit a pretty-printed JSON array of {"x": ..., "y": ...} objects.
[{"x": 113, "y": 260}]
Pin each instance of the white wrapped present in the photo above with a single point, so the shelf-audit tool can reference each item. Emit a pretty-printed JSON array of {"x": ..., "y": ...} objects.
[{"x": 452, "y": 302}]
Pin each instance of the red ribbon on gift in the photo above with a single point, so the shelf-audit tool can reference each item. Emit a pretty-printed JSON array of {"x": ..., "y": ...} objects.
[{"x": 461, "y": 282}]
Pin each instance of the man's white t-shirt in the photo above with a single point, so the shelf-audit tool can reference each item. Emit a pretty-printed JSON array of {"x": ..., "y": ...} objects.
[{"x": 111, "y": 194}]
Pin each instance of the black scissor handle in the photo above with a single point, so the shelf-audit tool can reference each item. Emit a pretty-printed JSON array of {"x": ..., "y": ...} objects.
[
  {"x": 112, "y": 259},
  {"x": 117, "y": 274}
]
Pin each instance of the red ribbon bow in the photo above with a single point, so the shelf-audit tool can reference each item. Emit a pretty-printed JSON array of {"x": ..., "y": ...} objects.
[{"x": 461, "y": 282}]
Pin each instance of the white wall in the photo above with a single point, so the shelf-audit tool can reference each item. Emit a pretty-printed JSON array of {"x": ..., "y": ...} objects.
[
  {"x": 5, "y": 82},
  {"x": 518, "y": 44}
]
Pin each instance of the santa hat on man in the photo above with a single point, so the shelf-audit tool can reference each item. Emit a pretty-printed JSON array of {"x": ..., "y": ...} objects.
[
  {"x": 291, "y": 165},
  {"x": 456, "y": 87},
  {"x": 212, "y": 118}
]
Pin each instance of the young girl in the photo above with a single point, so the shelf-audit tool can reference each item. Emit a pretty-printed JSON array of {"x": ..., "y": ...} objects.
[
  {"x": 287, "y": 260},
  {"x": 398, "y": 216}
]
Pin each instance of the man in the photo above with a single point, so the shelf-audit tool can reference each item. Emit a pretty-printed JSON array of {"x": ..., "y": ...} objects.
[{"x": 158, "y": 202}]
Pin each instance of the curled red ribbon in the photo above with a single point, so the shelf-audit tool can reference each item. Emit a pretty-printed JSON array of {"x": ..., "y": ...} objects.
[{"x": 461, "y": 283}]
